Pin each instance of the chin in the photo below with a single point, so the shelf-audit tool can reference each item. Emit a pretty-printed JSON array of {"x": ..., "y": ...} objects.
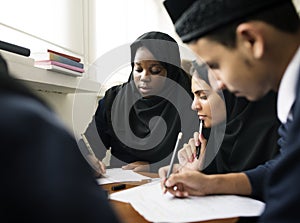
[{"x": 255, "y": 97}]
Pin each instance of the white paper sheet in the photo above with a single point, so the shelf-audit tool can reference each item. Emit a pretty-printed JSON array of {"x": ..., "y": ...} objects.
[
  {"x": 119, "y": 175},
  {"x": 149, "y": 201}
]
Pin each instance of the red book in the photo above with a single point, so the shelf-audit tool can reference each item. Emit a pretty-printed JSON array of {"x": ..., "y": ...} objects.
[{"x": 65, "y": 55}]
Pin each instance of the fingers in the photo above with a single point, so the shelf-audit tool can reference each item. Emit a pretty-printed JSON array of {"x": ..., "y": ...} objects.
[
  {"x": 187, "y": 153},
  {"x": 162, "y": 172},
  {"x": 175, "y": 179},
  {"x": 178, "y": 191},
  {"x": 97, "y": 165},
  {"x": 173, "y": 186},
  {"x": 141, "y": 168},
  {"x": 202, "y": 139},
  {"x": 162, "y": 185},
  {"x": 196, "y": 139},
  {"x": 129, "y": 166},
  {"x": 137, "y": 166},
  {"x": 102, "y": 167}
]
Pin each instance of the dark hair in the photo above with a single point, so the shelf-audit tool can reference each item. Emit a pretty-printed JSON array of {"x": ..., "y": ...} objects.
[{"x": 289, "y": 23}]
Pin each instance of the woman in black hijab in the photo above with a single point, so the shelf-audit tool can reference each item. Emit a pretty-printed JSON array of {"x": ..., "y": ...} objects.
[
  {"x": 250, "y": 137},
  {"x": 140, "y": 119}
]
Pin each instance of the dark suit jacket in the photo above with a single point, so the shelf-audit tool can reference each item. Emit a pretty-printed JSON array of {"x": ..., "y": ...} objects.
[
  {"x": 44, "y": 177},
  {"x": 283, "y": 193}
]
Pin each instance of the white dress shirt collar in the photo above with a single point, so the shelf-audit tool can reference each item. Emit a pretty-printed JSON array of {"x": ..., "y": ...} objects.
[{"x": 287, "y": 89}]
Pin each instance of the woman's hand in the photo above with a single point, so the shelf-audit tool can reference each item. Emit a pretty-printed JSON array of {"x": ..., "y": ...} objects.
[
  {"x": 184, "y": 182},
  {"x": 187, "y": 155},
  {"x": 138, "y": 166},
  {"x": 97, "y": 165},
  {"x": 162, "y": 172}
]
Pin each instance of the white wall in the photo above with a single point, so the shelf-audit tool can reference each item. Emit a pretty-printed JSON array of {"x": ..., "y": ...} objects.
[
  {"x": 50, "y": 24},
  {"x": 121, "y": 21},
  {"x": 43, "y": 23}
]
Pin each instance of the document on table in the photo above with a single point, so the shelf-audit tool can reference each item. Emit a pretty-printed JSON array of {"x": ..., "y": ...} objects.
[
  {"x": 149, "y": 201},
  {"x": 115, "y": 175}
]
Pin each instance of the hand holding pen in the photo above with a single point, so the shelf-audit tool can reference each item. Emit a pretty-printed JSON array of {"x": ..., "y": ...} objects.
[
  {"x": 192, "y": 154},
  {"x": 95, "y": 162}
]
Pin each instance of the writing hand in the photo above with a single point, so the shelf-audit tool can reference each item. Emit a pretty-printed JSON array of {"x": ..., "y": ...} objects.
[
  {"x": 97, "y": 165},
  {"x": 162, "y": 172},
  {"x": 188, "y": 182}
]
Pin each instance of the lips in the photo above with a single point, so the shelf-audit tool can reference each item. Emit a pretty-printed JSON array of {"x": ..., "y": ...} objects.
[
  {"x": 202, "y": 117},
  {"x": 144, "y": 90},
  {"x": 144, "y": 87}
]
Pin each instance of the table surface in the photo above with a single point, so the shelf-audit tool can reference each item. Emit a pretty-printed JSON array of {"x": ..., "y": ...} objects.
[{"x": 129, "y": 215}]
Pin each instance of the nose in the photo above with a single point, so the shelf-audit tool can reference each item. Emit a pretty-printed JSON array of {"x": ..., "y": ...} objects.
[
  {"x": 216, "y": 82},
  {"x": 196, "y": 105},
  {"x": 221, "y": 85},
  {"x": 145, "y": 76}
]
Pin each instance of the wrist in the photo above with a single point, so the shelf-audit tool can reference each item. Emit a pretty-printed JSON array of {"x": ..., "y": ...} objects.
[{"x": 231, "y": 183}]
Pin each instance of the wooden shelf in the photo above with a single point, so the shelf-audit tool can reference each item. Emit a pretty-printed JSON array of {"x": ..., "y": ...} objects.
[{"x": 40, "y": 79}]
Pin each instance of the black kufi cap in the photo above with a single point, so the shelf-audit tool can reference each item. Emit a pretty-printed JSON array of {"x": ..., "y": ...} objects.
[{"x": 203, "y": 16}]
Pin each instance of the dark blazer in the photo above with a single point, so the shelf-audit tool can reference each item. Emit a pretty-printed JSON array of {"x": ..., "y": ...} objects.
[
  {"x": 282, "y": 191},
  {"x": 44, "y": 177}
]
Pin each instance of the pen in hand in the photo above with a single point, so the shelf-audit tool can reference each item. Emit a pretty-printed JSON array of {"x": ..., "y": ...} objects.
[
  {"x": 173, "y": 155},
  {"x": 100, "y": 168},
  {"x": 198, "y": 148}
]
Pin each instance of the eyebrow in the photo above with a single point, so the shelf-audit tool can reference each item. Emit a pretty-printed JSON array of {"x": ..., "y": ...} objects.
[
  {"x": 201, "y": 91},
  {"x": 153, "y": 64}
]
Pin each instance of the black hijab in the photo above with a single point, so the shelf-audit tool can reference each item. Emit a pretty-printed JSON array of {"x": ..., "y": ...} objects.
[
  {"x": 146, "y": 129},
  {"x": 250, "y": 135}
]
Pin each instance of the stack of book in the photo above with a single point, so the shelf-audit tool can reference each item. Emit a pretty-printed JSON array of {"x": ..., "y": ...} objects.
[{"x": 59, "y": 62}]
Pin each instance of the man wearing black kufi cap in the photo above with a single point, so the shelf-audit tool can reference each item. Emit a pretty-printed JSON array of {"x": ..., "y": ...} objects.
[{"x": 253, "y": 46}]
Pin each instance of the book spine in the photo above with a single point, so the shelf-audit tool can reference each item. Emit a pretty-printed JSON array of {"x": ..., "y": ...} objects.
[
  {"x": 14, "y": 48},
  {"x": 64, "y": 60},
  {"x": 65, "y": 55},
  {"x": 51, "y": 62}
]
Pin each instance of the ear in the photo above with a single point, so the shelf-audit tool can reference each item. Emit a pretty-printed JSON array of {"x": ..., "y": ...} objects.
[{"x": 250, "y": 36}]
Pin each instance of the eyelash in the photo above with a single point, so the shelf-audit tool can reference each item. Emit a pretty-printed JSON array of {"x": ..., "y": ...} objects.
[
  {"x": 152, "y": 72},
  {"x": 213, "y": 66}
]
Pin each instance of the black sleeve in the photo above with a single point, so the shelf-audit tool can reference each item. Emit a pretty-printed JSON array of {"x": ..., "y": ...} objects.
[
  {"x": 102, "y": 125},
  {"x": 283, "y": 194}
]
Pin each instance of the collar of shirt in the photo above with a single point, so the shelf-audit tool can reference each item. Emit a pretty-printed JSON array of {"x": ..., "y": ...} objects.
[{"x": 287, "y": 89}]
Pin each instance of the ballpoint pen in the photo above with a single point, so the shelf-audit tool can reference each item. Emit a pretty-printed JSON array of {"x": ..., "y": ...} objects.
[
  {"x": 198, "y": 148},
  {"x": 88, "y": 146},
  {"x": 174, "y": 154}
]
